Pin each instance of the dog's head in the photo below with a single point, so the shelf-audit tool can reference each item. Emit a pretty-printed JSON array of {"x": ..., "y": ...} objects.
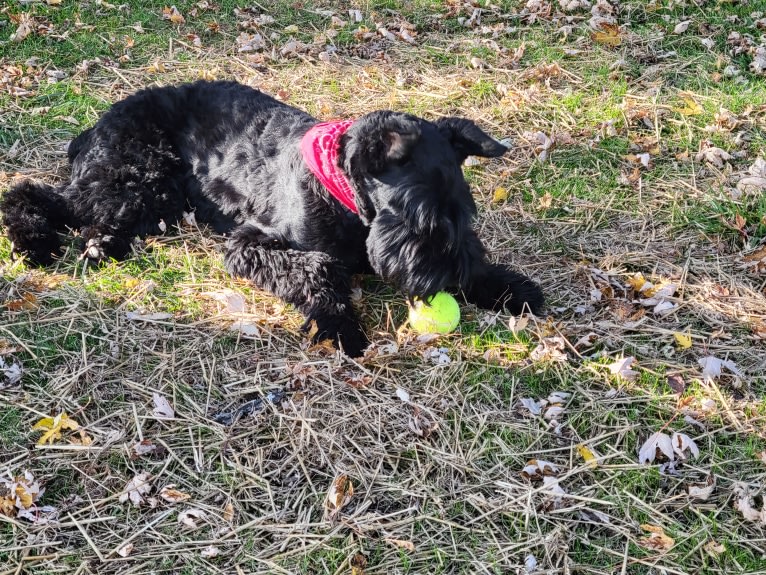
[{"x": 412, "y": 194}]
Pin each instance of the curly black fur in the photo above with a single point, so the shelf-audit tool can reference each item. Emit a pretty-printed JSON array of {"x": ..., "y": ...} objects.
[{"x": 231, "y": 154}]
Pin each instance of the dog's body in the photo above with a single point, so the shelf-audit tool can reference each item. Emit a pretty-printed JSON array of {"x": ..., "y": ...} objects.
[{"x": 233, "y": 155}]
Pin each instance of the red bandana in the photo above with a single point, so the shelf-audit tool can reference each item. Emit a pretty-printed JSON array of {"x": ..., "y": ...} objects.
[{"x": 320, "y": 151}]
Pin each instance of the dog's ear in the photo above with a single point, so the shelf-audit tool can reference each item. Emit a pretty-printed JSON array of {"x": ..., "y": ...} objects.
[
  {"x": 378, "y": 140},
  {"x": 468, "y": 139}
]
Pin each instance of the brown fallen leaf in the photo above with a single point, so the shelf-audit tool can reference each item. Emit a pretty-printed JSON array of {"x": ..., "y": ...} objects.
[
  {"x": 173, "y": 15},
  {"x": 358, "y": 564},
  {"x": 714, "y": 548},
  {"x": 537, "y": 469},
  {"x": 228, "y": 512},
  {"x": 676, "y": 383},
  {"x": 657, "y": 539},
  {"x": 25, "y": 27},
  {"x": 340, "y": 493},
  {"x": 170, "y": 494},
  {"x": 28, "y": 301},
  {"x": 402, "y": 544}
]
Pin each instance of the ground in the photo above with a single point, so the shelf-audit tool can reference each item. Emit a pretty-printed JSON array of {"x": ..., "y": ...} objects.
[{"x": 623, "y": 432}]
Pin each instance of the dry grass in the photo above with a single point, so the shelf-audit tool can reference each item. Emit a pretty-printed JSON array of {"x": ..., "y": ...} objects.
[{"x": 437, "y": 479}]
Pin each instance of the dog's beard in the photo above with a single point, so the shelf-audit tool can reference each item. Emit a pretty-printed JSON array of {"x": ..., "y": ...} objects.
[{"x": 422, "y": 261}]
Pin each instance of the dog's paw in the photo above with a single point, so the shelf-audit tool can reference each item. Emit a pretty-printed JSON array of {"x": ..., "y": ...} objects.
[
  {"x": 345, "y": 332},
  {"x": 501, "y": 288},
  {"x": 93, "y": 251},
  {"x": 101, "y": 247}
]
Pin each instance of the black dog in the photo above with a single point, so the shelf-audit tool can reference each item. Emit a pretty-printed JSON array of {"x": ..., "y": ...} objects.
[{"x": 306, "y": 204}]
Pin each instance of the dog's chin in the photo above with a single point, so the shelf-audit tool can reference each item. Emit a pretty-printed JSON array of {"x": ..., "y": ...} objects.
[{"x": 418, "y": 265}]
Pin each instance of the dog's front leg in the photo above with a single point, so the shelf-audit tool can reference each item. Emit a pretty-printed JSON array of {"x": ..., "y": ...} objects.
[
  {"x": 497, "y": 286},
  {"x": 315, "y": 283}
]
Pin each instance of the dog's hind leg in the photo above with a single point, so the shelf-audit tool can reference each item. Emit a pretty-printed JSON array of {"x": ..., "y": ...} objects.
[
  {"x": 34, "y": 214},
  {"x": 123, "y": 189},
  {"x": 314, "y": 282}
]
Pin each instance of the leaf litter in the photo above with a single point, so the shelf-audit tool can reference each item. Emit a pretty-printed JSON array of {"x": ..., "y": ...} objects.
[{"x": 608, "y": 343}]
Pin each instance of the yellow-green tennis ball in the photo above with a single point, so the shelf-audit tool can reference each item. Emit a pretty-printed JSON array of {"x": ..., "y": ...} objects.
[{"x": 440, "y": 315}]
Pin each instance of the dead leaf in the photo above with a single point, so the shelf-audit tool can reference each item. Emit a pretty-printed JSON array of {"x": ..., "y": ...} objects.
[
  {"x": 53, "y": 426},
  {"x": 536, "y": 469},
  {"x": 553, "y": 412},
  {"x": 339, "y": 495},
  {"x": 25, "y": 27},
  {"x": 228, "y": 512},
  {"x": 712, "y": 155},
  {"x": 704, "y": 491},
  {"x": 125, "y": 550},
  {"x": 136, "y": 489},
  {"x": 553, "y": 487},
  {"x": 401, "y": 543},
  {"x": 518, "y": 324},
  {"x": 173, "y": 15},
  {"x": 210, "y": 551},
  {"x": 682, "y": 27},
  {"x": 20, "y": 495},
  {"x": 657, "y": 539},
  {"x": 81, "y": 439},
  {"x": 690, "y": 107},
  {"x": 234, "y": 302},
  {"x": 534, "y": 407},
  {"x": 147, "y": 447},
  {"x": 657, "y": 442},
  {"x": 684, "y": 340},
  {"x": 712, "y": 368},
  {"x": 621, "y": 368},
  {"x": 550, "y": 349},
  {"x": 676, "y": 383},
  {"x": 27, "y": 301},
  {"x": 607, "y": 35},
  {"x": 758, "y": 63},
  {"x": 245, "y": 328},
  {"x": 682, "y": 442},
  {"x": 358, "y": 564},
  {"x": 10, "y": 372},
  {"x": 499, "y": 195},
  {"x": 170, "y": 494},
  {"x": 422, "y": 424},
  {"x": 744, "y": 505},
  {"x": 162, "y": 407},
  {"x": 714, "y": 548},
  {"x": 589, "y": 455},
  {"x": 190, "y": 517},
  {"x": 639, "y": 283}
]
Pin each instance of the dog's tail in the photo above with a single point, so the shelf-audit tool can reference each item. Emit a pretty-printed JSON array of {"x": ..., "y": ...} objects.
[{"x": 34, "y": 214}]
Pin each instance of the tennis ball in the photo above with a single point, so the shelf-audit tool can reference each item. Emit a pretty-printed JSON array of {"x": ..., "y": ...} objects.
[{"x": 440, "y": 315}]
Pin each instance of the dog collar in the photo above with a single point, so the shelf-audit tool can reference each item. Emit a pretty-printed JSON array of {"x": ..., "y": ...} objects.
[{"x": 320, "y": 152}]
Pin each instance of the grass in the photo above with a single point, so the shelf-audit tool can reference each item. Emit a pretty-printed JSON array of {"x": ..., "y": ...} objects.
[{"x": 437, "y": 480}]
